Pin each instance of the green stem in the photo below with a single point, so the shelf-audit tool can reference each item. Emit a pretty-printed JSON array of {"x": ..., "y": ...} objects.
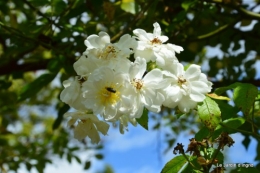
[{"x": 188, "y": 160}]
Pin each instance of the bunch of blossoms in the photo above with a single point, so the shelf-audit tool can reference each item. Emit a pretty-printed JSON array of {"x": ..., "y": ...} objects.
[{"x": 109, "y": 88}]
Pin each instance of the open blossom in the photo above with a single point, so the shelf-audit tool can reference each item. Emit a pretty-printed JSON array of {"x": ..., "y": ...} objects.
[
  {"x": 72, "y": 94},
  {"x": 85, "y": 66},
  {"x": 110, "y": 54},
  {"x": 86, "y": 125},
  {"x": 187, "y": 88},
  {"x": 104, "y": 93},
  {"x": 145, "y": 89},
  {"x": 151, "y": 47}
]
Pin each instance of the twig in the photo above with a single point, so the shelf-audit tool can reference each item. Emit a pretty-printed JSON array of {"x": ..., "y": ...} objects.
[{"x": 137, "y": 17}]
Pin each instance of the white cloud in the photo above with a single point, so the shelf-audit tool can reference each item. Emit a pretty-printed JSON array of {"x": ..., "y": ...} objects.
[{"x": 141, "y": 138}]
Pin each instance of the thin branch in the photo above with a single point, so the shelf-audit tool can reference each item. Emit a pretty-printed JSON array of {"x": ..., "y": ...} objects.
[
  {"x": 249, "y": 13},
  {"x": 14, "y": 67},
  {"x": 246, "y": 12},
  {"x": 41, "y": 14},
  {"x": 215, "y": 32}
]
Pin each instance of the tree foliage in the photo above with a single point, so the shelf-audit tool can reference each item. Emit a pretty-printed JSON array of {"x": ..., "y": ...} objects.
[{"x": 49, "y": 35}]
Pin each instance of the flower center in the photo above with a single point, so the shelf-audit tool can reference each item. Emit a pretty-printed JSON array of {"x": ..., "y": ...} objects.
[
  {"x": 137, "y": 83},
  {"x": 156, "y": 41},
  {"x": 109, "y": 95},
  {"x": 181, "y": 80},
  {"x": 108, "y": 52},
  {"x": 184, "y": 85}
]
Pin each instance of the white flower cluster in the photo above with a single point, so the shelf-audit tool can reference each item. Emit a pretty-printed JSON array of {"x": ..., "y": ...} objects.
[{"x": 116, "y": 89}]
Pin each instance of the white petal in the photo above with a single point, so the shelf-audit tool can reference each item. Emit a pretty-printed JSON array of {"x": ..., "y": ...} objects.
[
  {"x": 138, "y": 68},
  {"x": 104, "y": 38},
  {"x": 174, "y": 48},
  {"x": 186, "y": 104},
  {"x": 153, "y": 77},
  {"x": 193, "y": 72},
  {"x": 102, "y": 127},
  {"x": 199, "y": 86},
  {"x": 157, "y": 29},
  {"x": 163, "y": 38},
  {"x": 141, "y": 34}
]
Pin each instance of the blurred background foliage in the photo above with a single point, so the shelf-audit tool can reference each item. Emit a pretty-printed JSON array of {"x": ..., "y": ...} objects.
[{"x": 41, "y": 39}]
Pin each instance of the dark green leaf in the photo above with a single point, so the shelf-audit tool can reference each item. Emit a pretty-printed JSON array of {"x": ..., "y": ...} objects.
[
  {"x": 62, "y": 110},
  {"x": 244, "y": 97},
  {"x": 54, "y": 65},
  {"x": 69, "y": 157},
  {"x": 34, "y": 87},
  {"x": 221, "y": 90},
  {"x": 5, "y": 84},
  {"x": 77, "y": 159},
  {"x": 202, "y": 134},
  {"x": 233, "y": 123},
  {"x": 209, "y": 113},
  {"x": 227, "y": 111},
  {"x": 143, "y": 120},
  {"x": 246, "y": 141},
  {"x": 99, "y": 156},
  {"x": 258, "y": 153},
  {"x": 179, "y": 115},
  {"x": 174, "y": 165},
  {"x": 87, "y": 165}
]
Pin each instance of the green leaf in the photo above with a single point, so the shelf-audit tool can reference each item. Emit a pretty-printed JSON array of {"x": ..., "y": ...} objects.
[
  {"x": 186, "y": 5},
  {"x": 34, "y": 87},
  {"x": 54, "y": 65},
  {"x": 258, "y": 153},
  {"x": 227, "y": 111},
  {"x": 244, "y": 97},
  {"x": 99, "y": 156},
  {"x": 233, "y": 123},
  {"x": 69, "y": 158},
  {"x": 246, "y": 141},
  {"x": 211, "y": 153},
  {"x": 5, "y": 84},
  {"x": 179, "y": 115},
  {"x": 128, "y": 6},
  {"x": 63, "y": 108},
  {"x": 174, "y": 165},
  {"x": 202, "y": 134},
  {"x": 143, "y": 120},
  {"x": 209, "y": 113},
  {"x": 87, "y": 165},
  {"x": 221, "y": 90},
  {"x": 77, "y": 159},
  {"x": 217, "y": 97}
]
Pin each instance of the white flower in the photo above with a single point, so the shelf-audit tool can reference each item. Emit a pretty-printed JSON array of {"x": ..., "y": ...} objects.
[
  {"x": 151, "y": 47},
  {"x": 87, "y": 125},
  {"x": 123, "y": 123},
  {"x": 85, "y": 66},
  {"x": 72, "y": 94},
  {"x": 145, "y": 89},
  {"x": 104, "y": 93},
  {"x": 187, "y": 87},
  {"x": 109, "y": 54}
]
